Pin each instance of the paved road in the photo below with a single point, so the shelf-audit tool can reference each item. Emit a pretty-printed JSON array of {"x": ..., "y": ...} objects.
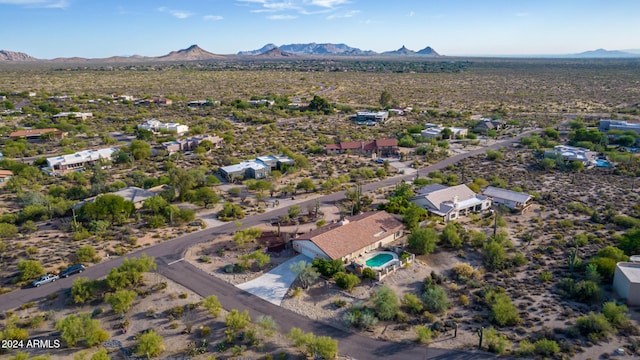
[{"x": 183, "y": 273}]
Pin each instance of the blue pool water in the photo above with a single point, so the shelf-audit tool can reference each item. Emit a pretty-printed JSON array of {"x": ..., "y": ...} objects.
[
  {"x": 602, "y": 163},
  {"x": 379, "y": 260}
]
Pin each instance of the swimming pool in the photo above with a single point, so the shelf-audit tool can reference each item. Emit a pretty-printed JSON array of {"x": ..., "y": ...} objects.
[
  {"x": 380, "y": 258},
  {"x": 602, "y": 163}
]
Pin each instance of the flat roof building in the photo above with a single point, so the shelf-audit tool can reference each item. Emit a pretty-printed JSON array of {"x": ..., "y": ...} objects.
[{"x": 65, "y": 163}]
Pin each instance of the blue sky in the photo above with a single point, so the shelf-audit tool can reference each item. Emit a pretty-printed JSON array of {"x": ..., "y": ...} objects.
[{"x": 98, "y": 28}]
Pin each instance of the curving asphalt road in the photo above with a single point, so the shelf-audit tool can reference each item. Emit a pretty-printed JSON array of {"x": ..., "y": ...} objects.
[{"x": 169, "y": 253}]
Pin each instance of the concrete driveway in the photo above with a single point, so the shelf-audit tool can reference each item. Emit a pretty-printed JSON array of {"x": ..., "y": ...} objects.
[{"x": 273, "y": 286}]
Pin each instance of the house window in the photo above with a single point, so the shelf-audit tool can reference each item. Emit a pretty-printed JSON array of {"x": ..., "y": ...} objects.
[{"x": 398, "y": 234}]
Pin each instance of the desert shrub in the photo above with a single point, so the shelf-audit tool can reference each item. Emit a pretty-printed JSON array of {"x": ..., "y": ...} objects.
[
  {"x": 368, "y": 273},
  {"x": 361, "y": 318},
  {"x": 423, "y": 334},
  {"x": 545, "y": 276},
  {"x": 150, "y": 344},
  {"x": 463, "y": 300},
  {"x": 594, "y": 326},
  {"x": 525, "y": 348},
  {"x": 435, "y": 299},
  {"x": 328, "y": 268},
  {"x": 423, "y": 240},
  {"x": 463, "y": 270},
  {"x": 450, "y": 236},
  {"x": 346, "y": 281},
  {"x": 503, "y": 311},
  {"x": 495, "y": 342},
  {"x": 412, "y": 303},
  {"x": 615, "y": 314},
  {"x": 386, "y": 303},
  {"x": 495, "y": 256},
  {"x": 546, "y": 347},
  {"x": 519, "y": 259}
]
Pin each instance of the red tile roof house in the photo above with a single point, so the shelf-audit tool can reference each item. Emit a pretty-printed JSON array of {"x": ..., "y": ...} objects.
[
  {"x": 37, "y": 134},
  {"x": 382, "y": 147},
  {"x": 350, "y": 238},
  {"x": 5, "y": 175}
]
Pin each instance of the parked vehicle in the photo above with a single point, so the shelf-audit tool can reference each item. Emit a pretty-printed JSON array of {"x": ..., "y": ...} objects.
[
  {"x": 45, "y": 279},
  {"x": 73, "y": 269}
]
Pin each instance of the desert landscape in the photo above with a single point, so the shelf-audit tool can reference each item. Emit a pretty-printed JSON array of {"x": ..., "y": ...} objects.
[{"x": 537, "y": 284}]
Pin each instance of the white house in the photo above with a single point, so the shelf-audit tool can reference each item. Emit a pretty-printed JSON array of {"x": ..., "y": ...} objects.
[
  {"x": 436, "y": 131},
  {"x": 73, "y": 114},
  {"x": 626, "y": 282},
  {"x": 350, "y": 238},
  {"x": 608, "y": 124},
  {"x": 71, "y": 162},
  {"x": 156, "y": 126},
  {"x": 380, "y": 116},
  {"x": 261, "y": 102},
  {"x": 572, "y": 153},
  {"x": 512, "y": 199},
  {"x": 451, "y": 202}
]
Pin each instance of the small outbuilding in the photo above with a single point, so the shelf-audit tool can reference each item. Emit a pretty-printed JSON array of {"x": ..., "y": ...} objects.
[
  {"x": 517, "y": 201},
  {"x": 626, "y": 282}
]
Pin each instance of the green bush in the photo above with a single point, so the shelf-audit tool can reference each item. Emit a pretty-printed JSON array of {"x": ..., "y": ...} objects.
[
  {"x": 495, "y": 342},
  {"x": 368, "y": 273},
  {"x": 423, "y": 334},
  {"x": 346, "y": 281},
  {"x": 545, "y": 347},
  {"x": 386, "y": 303},
  {"x": 503, "y": 311},
  {"x": 435, "y": 299},
  {"x": 594, "y": 326},
  {"x": 615, "y": 314}
]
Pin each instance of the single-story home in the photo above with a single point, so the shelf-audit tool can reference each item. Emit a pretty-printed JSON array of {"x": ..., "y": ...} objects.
[
  {"x": 382, "y": 147},
  {"x": 261, "y": 102},
  {"x": 155, "y": 100},
  {"x": 379, "y": 116},
  {"x": 156, "y": 126},
  {"x": 626, "y": 282},
  {"x": 607, "y": 124},
  {"x": 73, "y": 114},
  {"x": 66, "y": 163},
  {"x": 191, "y": 143},
  {"x": 572, "y": 153},
  {"x": 512, "y": 199},
  {"x": 5, "y": 175},
  {"x": 258, "y": 168},
  {"x": 485, "y": 124},
  {"x": 452, "y": 202},
  {"x": 30, "y": 134},
  {"x": 436, "y": 132},
  {"x": 350, "y": 238},
  {"x": 131, "y": 193}
]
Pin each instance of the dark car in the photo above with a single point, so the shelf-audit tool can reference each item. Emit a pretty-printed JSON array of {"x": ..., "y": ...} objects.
[{"x": 77, "y": 268}]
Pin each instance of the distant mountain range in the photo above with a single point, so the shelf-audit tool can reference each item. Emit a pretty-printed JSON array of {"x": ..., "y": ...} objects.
[
  {"x": 271, "y": 51},
  {"x": 602, "y": 53},
  {"x": 6, "y": 55},
  {"x": 336, "y": 50}
]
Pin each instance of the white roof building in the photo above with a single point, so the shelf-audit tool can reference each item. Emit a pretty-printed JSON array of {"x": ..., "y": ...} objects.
[
  {"x": 626, "y": 282},
  {"x": 571, "y": 153},
  {"x": 75, "y": 114},
  {"x": 451, "y": 202},
  {"x": 512, "y": 199},
  {"x": 156, "y": 126},
  {"x": 63, "y": 163},
  {"x": 608, "y": 124}
]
